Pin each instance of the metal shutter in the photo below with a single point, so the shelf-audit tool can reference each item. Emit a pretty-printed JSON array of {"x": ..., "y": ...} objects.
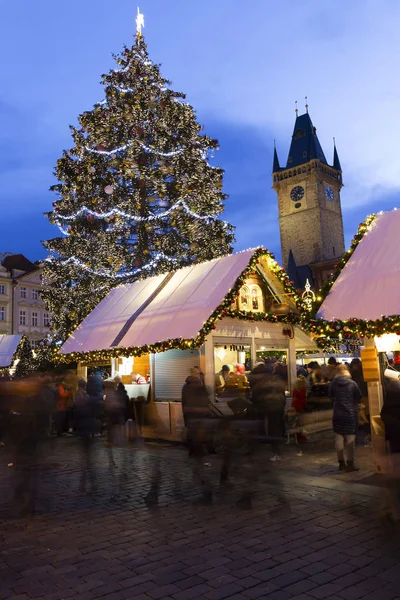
[{"x": 171, "y": 369}]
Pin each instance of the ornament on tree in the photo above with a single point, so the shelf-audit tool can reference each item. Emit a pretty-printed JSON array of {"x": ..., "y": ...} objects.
[
  {"x": 109, "y": 189},
  {"x": 92, "y": 170}
]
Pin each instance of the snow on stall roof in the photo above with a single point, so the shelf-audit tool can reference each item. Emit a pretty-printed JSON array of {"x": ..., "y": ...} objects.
[
  {"x": 369, "y": 285},
  {"x": 8, "y": 346},
  {"x": 178, "y": 311}
]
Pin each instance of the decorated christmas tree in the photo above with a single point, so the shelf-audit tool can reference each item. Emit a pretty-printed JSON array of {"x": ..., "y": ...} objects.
[{"x": 137, "y": 195}]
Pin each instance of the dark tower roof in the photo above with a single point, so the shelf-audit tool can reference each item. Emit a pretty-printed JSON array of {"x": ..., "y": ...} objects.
[
  {"x": 298, "y": 274},
  {"x": 305, "y": 145},
  {"x": 336, "y": 161},
  {"x": 275, "y": 167}
]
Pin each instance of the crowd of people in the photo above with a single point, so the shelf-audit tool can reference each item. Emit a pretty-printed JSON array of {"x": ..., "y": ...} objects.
[{"x": 43, "y": 406}]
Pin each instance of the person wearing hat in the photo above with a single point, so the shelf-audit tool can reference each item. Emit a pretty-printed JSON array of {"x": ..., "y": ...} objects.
[
  {"x": 330, "y": 370},
  {"x": 221, "y": 378}
]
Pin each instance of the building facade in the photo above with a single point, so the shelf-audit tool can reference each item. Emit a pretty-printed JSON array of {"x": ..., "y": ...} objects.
[
  {"x": 22, "y": 309},
  {"x": 310, "y": 213}
]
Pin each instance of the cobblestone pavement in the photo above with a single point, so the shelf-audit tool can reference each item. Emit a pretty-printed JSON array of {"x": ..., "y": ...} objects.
[{"x": 311, "y": 534}]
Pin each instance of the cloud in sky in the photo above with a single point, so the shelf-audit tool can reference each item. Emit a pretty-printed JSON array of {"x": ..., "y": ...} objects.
[{"x": 242, "y": 67}]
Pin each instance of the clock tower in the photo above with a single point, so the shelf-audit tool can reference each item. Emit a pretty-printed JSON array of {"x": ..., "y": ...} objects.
[{"x": 310, "y": 213}]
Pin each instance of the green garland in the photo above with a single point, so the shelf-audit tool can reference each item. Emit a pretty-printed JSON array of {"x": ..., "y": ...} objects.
[{"x": 223, "y": 310}]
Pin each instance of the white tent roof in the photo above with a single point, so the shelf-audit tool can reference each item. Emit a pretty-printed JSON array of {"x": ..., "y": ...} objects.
[
  {"x": 179, "y": 310},
  {"x": 369, "y": 285},
  {"x": 8, "y": 346}
]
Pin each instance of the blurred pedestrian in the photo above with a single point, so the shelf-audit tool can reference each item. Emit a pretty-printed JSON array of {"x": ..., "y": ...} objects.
[
  {"x": 95, "y": 390},
  {"x": 196, "y": 415},
  {"x": 268, "y": 396},
  {"x": 346, "y": 395},
  {"x": 84, "y": 423},
  {"x": 62, "y": 399}
]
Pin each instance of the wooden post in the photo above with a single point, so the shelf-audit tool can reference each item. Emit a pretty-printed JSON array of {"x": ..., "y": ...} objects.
[
  {"x": 380, "y": 457},
  {"x": 292, "y": 368},
  {"x": 253, "y": 352},
  {"x": 207, "y": 366}
]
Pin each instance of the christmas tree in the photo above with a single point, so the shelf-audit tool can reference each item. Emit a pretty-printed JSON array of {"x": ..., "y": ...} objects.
[{"x": 137, "y": 194}]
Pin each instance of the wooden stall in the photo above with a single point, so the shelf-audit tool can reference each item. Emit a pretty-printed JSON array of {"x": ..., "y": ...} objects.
[{"x": 224, "y": 311}]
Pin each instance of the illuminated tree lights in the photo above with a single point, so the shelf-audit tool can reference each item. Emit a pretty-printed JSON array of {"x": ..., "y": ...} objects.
[
  {"x": 136, "y": 194},
  {"x": 225, "y": 309}
]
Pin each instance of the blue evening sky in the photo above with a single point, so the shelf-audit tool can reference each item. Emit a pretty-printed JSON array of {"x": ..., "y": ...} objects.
[{"x": 242, "y": 66}]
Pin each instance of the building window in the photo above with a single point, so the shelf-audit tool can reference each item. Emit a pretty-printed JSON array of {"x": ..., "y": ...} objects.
[
  {"x": 35, "y": 344},
  {"x": 2, "y": 313},
  {"x": 2, "y": 289},
  {"x": 304, "y": 154},
  {"x": 22, "y": 317},
  {"x": 35, "y": 294},
  {"x": 46, "y": 320},
  {"x": 34, "y": 319},
  {"x": 22, "y": 292}
]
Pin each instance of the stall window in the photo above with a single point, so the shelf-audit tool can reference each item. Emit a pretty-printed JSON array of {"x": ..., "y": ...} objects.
[
  {"x": 245, "y": 298},
  {"x": 256, "y": 298}
]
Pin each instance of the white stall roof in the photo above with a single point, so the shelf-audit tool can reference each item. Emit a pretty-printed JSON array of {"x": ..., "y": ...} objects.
[
  {"x": 183, "y": 303},
  {"x": 8, "y": 346},
  {"x": 369, "y": 285}
]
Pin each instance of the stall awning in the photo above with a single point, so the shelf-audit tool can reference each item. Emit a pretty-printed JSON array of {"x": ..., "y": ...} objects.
[
  {"x": 8, "y": 346},
  {"x": 181, "y": 304},
  {"x": 166, "y": 307},
  {"x": 369, "y": 285}
]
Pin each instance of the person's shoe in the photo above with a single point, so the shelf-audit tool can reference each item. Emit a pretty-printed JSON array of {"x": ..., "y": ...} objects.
[
  {"x": 224, "y": 477},
  {"x": 205, "y": 500},
  {"x": 245, "y": 502},
  {"x": 151, "y": 499},
  {"x": 342, "y": 465},
  {"x": 351, "y": 468},
  {"x": 275, "y": 458}
]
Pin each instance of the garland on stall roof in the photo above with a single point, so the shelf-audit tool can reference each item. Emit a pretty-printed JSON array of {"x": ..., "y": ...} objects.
[{"x": 223, "y": 310}]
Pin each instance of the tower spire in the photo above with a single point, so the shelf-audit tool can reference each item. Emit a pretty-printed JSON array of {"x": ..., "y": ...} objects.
[
  {"x": 306, "y": 104},
  {"x": 336, "y": 161},
  {"x": 275, "y": 166},
  {"x": 296, "y": 110}
]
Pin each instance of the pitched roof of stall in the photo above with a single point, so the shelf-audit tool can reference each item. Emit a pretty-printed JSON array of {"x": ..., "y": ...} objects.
[
  {"x": 8, "y": 346},
  {"x": 168, "y": 306},
  {"x": 369, "y": 285}
]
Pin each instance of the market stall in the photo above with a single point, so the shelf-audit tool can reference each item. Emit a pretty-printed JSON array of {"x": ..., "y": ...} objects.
[
  {"x": 223, "y": 311},
  {"x": 8, "y": 350},
  {"x": 364, "y": 302}
]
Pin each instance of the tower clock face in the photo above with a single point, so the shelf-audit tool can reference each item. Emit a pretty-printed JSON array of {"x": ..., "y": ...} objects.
[
  {"x": 329, "y": 192},
  {"x": 297, "y": 193}
]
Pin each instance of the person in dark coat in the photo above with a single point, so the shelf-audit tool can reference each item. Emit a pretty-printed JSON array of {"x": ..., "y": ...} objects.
[
  {"x": 95, "y": 390},
  {"x": 390, "y": 413},
  {"x": 84, "y": 422},
  {"x": 196, "y": 410},
  {"x": 345, "y": 395},
  {"x": 268, "y": 397}
]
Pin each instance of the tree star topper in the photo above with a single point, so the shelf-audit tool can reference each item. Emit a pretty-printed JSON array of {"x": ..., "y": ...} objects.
[{"x": 139, "y": 22}]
